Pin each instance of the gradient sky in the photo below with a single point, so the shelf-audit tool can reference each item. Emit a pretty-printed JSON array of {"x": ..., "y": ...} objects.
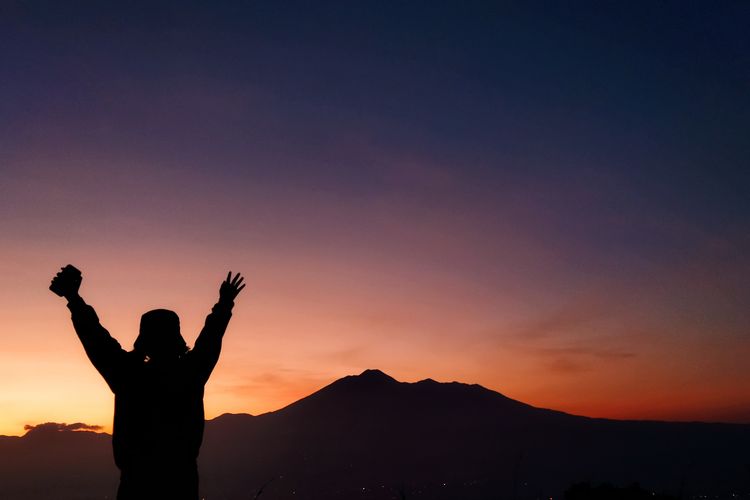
[{"x": 551, "y": 201}]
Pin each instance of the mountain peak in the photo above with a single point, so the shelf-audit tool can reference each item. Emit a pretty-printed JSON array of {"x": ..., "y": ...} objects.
[{"x": 374, "y": 374}]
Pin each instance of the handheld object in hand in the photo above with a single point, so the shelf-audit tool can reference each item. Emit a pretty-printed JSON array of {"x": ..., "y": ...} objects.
[{"x": 67, "y": 275}]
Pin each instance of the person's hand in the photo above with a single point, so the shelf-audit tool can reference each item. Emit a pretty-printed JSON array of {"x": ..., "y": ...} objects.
[
  {"x": 231, "y": 287},
  {"x": 66, "y": 282}
]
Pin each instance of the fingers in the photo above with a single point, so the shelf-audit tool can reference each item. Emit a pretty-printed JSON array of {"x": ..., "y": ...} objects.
[
  {"x": 235, "y": 282},
  {"x": 232, "y": 286}
]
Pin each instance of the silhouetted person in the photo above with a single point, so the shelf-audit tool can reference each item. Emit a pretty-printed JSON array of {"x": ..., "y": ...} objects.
[{"x": 158, "y": 387}]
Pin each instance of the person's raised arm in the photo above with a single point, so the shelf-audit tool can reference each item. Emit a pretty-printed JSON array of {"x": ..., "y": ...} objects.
[
  {"x": 208, "y": 345},
  {"x": 104, "y": 352}
]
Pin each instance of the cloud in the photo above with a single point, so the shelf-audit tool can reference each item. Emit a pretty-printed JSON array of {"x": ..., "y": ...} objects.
[
  {"x": 566, "y": 365},
  {"x": 272, "y": 388},
  {"x": 49, "y": 427},
  {"x": 589, "y": 351},
  {"x": 573, "y": 339},
  {"x": 574, "y": 319},
  {"x": 577, "y": 359}
]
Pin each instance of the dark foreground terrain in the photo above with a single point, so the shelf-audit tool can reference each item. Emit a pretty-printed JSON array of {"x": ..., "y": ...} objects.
[{"x": 372, "y": 437}]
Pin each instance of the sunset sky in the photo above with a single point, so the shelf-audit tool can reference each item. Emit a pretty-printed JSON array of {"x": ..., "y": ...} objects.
[{"x": 550, "y": 201}]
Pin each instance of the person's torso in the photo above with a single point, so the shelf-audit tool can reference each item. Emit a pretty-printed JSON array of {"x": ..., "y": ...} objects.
[{"x": 158, "y": 413}]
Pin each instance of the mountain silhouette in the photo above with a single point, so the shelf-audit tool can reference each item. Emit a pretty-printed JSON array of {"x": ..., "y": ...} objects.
[
  {"x": 375, "y": 437},
  {"x": 372, "y": 437},
  {"x": 55, "y": 462}
]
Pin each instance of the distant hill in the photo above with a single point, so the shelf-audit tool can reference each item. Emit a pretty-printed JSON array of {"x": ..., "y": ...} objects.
[
  {"x": 53, "y": 462},
  {"x": 372, "y": 437}
]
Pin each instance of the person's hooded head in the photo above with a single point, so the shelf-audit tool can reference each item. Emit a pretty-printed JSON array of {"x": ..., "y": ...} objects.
[{"x": 159, "y": 336}]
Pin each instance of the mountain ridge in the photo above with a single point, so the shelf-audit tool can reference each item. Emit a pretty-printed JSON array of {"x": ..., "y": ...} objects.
[
  {"x": 376, "y": 438},
  {"x": 375, "y": 378}
]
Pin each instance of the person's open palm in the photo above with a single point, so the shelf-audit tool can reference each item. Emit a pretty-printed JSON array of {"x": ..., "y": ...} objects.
[{"x": 231, "y": 287}]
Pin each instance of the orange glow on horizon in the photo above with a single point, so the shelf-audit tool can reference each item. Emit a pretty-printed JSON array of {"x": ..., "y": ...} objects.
[{"x": 437, "y": 302}]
